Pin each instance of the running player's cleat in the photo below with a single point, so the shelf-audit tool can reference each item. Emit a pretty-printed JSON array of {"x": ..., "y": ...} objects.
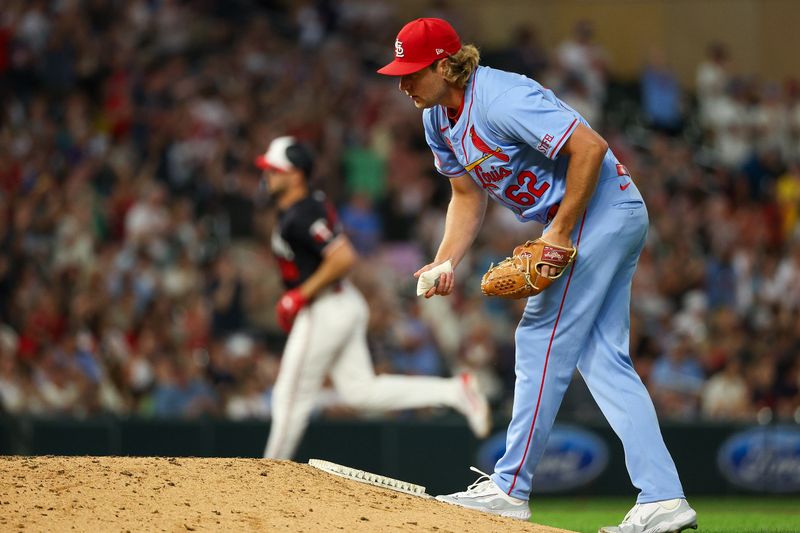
[
  {"x": 668, "y": 516},
  {"x": 484, "y": 495}
]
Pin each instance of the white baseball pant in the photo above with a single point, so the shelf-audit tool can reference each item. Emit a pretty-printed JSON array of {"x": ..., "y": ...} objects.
[{"x": 329, "y": 336}]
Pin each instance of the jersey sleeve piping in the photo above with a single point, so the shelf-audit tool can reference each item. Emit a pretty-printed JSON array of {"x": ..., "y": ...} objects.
[
  {"x": 451, "y": 174},
  {"x": 554, "y": 151}
]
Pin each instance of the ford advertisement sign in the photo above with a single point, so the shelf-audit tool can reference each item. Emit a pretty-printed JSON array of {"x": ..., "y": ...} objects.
[
  {"x": 764, "y": 459},
  {"x": 573, "y": 458}
]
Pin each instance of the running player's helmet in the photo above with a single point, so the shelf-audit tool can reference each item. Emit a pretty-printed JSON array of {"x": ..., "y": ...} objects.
[{"x": 285, "y": 154}]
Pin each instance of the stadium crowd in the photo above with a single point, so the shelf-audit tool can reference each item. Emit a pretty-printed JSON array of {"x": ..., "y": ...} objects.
[{"x": 135, "y": 271}]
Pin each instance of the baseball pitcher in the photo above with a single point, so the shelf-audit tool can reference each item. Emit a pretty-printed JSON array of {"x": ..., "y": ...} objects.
[
  {"x": 326, "y": 317},
  {"x": 503, "y": 136}
]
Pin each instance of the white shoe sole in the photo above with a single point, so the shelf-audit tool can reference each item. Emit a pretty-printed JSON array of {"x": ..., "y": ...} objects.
[
  {"x": 674, "y": 529},
  {"x": 681, "y": 522},
  {"x": 687, "y": 520},
  {"x": 521, "y": 514},
  {"x": 518, "y": 515}
]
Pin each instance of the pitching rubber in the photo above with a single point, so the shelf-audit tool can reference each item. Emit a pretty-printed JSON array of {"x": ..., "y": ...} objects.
[{"x": 369, "y": 478}]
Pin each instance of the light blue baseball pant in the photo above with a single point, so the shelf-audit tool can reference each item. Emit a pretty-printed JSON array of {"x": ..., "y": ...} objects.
[{"x": 583, "y": 320}]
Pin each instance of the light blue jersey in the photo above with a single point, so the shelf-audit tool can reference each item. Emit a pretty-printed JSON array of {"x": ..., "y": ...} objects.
[{"x": 507, "y": 138}]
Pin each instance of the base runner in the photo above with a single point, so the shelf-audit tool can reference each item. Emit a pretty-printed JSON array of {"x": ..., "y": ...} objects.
[{"x": 326, "y": 317}]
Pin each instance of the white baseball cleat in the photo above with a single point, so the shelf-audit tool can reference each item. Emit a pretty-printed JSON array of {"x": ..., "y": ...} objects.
[
  {"x": 668, "y": 516},
  {"x": 473, "y": 405},
  {"x": 484, "y": 495}
]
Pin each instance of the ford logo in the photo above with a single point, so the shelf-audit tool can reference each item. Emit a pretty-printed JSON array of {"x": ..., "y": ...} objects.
[
  {"x": 764, "y": 459},
  {"x": 573, "y": 457}
]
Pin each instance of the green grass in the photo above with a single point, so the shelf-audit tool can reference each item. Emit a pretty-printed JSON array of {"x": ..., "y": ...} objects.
[{"x": 734, "y": 514}]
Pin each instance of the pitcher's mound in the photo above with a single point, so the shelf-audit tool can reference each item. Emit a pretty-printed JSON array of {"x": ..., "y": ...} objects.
[{"x": 196, "y": 494}]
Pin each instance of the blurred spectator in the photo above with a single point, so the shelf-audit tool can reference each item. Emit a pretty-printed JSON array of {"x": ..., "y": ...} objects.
[
  {"x": 180, "y": 391},
  {"x": 677, "y": 379},
  {"x": 691, "y": 321},
  {"x": 725, "y": 395},
  {"x": 414, "y": 351},
  {"x": 661, "y": 95},
  {"x": 225, "y": 291},
  {"x": 727, "y": 120},
  {"x": 362, "y": 224},
  {"x": 478, "y": 356},
  {"x": 250, "y": 401},
  {"x": 787, "y": 388},
  {"x": 712, "y": 79},
  {"x": 253, "y": 398},
  {"x": 147, "y": 221},
  {"x": 761, "y": 170},
  {"x": 761, "y": 375},
  {"x": 583, "y": 64},
  {"x": 524, "y": 54},
  {"x": 787, "y": 192},
  {"x": 58, "y": 384},
  {"x": 721, "y": 279},
  {"x": 771, "y": 121},
  {"x": 130, "y": 209}
]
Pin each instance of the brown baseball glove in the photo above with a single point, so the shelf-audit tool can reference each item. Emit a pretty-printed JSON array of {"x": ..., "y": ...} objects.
[{"x": 519, "y": 276}]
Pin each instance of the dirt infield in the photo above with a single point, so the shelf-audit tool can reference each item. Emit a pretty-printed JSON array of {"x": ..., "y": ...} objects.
[{"x": 194, "y": 494}]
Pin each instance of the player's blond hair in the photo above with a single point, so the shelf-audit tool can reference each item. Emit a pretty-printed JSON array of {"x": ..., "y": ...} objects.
[{"x": 459, "y": 66}]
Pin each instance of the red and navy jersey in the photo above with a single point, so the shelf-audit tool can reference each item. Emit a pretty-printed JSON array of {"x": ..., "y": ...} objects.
[{"x": 301, "y": 235}]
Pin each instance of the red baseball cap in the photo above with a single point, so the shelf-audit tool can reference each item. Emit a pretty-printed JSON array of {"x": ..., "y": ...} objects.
[{"x": 420, "y": 43}]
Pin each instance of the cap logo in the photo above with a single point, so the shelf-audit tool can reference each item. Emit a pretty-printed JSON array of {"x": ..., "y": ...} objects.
[
  {"x": 398, "y": 48},
  {"x": 439, "y": 51}
]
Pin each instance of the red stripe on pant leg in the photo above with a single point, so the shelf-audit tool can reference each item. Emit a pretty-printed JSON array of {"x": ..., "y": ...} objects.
[{"x": 546, "y": 360}]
